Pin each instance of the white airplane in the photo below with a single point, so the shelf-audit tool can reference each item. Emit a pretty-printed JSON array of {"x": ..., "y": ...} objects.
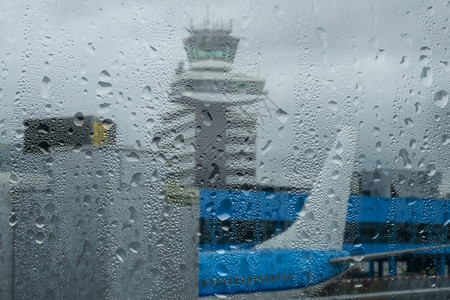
[{"x": 304, "y": 258}]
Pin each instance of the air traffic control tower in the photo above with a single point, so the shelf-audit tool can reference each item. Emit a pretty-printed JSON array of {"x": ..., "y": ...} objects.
[{"x": 212, "y": 123}]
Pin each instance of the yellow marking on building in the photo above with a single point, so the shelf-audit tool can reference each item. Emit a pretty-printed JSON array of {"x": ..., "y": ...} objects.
[{"x": 100, "y": 135}]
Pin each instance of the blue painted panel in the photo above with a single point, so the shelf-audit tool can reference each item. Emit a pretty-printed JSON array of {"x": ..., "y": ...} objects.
[
  {"x": 243, "y": 205},
  {"x": 354, "y": 209},
  {"x": 238, "y": 205},
  {"x": 397, "y": 210}
]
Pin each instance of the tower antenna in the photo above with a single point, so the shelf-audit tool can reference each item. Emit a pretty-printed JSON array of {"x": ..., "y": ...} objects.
[{"x": 207, "y": 16}]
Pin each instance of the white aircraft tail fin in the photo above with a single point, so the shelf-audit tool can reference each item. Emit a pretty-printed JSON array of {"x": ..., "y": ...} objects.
[{"x": 321, "y": 222}]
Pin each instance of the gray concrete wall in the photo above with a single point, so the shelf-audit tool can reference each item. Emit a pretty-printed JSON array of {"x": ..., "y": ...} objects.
[
  {"x": 95, "y": 225},
  {"x": 6, "y": 235}
]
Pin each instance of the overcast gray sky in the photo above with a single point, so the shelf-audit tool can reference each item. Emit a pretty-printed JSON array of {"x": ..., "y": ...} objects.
[{"x": 378, "y": 64}]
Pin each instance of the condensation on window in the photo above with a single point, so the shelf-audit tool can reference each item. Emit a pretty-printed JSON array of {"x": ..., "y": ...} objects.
[{"x": 243, "y": 150}]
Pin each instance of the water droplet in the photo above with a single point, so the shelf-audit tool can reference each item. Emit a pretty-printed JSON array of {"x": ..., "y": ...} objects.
[
  {"x": 120, "y": 254},
  {"x": 403, "y": 153},
  {"x": 40, "y": 222},
  {"x": 426, "y": 76},
  {"x": 330, "y": 193},
  {"x": 309, "y": 153},
  {"x": 281, "y": 115},
  {"x": 304, "y": 236},
  {"x": 322, "y": 37},
  {"x": 225, "y": 210},
  {"x": 88, "y": 155},
  {"x": 134, "y": 247},
  {"x": 146, "y": 93},
  {"x": 150, "y": 123},
  {"x": 335, "y": 174},
  {"x": 267, "y": 147},
  {"x": 409, "y": 122},
  {"x": 103, "y": 88},
  {"x": 77, "y": 148},
  {"x": 154, "y": 145},
  {"x": 40, "y": 237},
  {"x": 179, "y": 141},
  {"x": 376, "y": 131},
  {"x": 333, "y": 106},
  {"x": 12, "y": 220},
  {"x": 441, "y": 99},
  {"x": 90, "y": 49},
  {"x": 104, "y": 76},
  {"x": 78, "y": 119},
  {"x": 104, "y": 85},
  {"x": 431, "y": 170},
  {"x": 281, "y": 131},
  {"x": 445, "y": 139},
  {"x": 132, "y": 157},
  {"x": 339, "y": 148},
  {"x": 103, "y": 108},
  {"x": 421, "y": 163},
  {"x": 337, "y": 160},
  {"x": 46, "y": 83},
  {"x": 133, "y": 214},
  {"x": 376, "y": 176},
  {"x": 136, "y": 179},
  {"x": 378, "y": 146},
  {"x": 222, "y": 270},
  {"x": 87, "y": 199},
  {"x": 154, "y": 177},
  {"x": 206, "y": 117},
  {"x": 404, "y": 61},
  {"x": 446, "y": 65},
  {"x": 358, "y": 257},
  {"x": 44, "y": 147},
  {"x": 418, "y": 107}
]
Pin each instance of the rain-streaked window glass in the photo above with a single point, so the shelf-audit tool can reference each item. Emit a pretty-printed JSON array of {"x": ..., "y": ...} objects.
[{"x": 224, "y": 150}]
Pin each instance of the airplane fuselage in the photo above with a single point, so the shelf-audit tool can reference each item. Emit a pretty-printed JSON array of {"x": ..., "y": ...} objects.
[{"x": 252, "y": 271}]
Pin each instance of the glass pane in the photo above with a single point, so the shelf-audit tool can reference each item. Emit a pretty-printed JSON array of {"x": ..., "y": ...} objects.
[{"x": 256, "y": 149}]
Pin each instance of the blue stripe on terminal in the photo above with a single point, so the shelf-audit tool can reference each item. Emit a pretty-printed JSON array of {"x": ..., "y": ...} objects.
[
  {"x": 242, "y": 205},
  {"x": 276, "y": 206}
]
